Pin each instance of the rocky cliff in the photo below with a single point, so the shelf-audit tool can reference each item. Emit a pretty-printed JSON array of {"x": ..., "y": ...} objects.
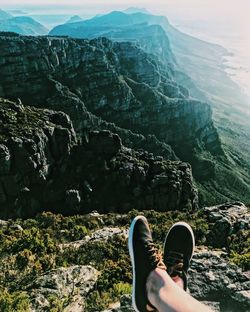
[
  {"x": 118, "y": 82},
  {"x": 44, "y": 167}
]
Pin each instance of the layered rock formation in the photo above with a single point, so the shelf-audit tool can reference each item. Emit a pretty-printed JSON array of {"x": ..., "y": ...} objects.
[
  {"x": 204, "y": 63},
  {"x": 33, "y": 143},
  {"x": 43, "y": 167},
  {"x": 116, "y": 81}
]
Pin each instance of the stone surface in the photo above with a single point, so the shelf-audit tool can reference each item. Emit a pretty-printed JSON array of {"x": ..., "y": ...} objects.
[
  {"x": 46, "y": 168},
  {"x": 213, "y": 278},
  {"x": 125, "y": 305},
  {"x": 102, "y": 234},
  {"x": 118, "y": 82},
  {"x": 226, "y": 219},
  {"x": 73, "y": 282}
]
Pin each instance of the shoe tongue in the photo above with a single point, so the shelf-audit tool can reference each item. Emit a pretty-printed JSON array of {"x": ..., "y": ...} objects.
[{"x": 161, "y": 265}]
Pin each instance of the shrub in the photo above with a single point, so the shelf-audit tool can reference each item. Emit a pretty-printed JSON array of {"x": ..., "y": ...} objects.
[{"x": 17, "y": 301}]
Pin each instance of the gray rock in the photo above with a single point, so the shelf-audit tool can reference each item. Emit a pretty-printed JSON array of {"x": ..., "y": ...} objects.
[
  {"x": 73, "y": 282},
  {"x": 100, "y": 235},
  {"x": 226, "y": 219},
  {"x": 211, "y": 276},
  {"x": 3, "y": 223},
  {"x": 16, "y": 227},
  {"x": 4, "y": 160}
]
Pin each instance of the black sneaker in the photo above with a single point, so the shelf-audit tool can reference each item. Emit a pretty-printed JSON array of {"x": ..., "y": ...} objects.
[
  {"x": 145, "y": 258},
  {"x": 178, "y": 250}
]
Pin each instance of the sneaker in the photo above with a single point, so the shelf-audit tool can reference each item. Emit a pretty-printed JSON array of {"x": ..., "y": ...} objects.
[
  {"x": 145, "y": 258},
  {"x": 178, "y": 250}
]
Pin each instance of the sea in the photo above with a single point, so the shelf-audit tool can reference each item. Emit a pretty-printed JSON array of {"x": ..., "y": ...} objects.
[{"x": 235, "y": 39}]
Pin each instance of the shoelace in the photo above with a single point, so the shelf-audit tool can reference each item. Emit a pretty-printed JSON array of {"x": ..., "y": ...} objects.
[
  {"x": 156, "y": 260},
  {"x": 175, "y": 263},
  {"x": 155, "y": 256}
]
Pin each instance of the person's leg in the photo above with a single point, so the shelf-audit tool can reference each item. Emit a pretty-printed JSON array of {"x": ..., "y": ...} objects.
[
  {"x": 166, "y": 296},
  {"x": 152, "y": 286}
]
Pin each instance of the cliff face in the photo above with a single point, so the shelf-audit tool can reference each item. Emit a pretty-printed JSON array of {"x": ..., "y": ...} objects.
[
  {"x": 118, "y": 82},
  {"x": 43, "y": 167}
]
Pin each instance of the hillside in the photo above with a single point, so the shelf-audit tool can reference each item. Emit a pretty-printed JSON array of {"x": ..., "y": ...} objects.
[
  {"x": 4, "y": 15},
  {"x": 23, "y": 25},
  {"x": 198, "y": 66},
  {"x": 121, "y": 84}
]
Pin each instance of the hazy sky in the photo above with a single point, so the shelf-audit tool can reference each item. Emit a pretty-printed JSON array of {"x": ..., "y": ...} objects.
[
  {"x": 224, "y": 12},
  {"x": 238, "y": 9}
]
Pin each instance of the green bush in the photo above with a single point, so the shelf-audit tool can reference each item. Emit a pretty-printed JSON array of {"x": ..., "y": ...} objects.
[
  {"x": 241, "y": 260},
  {"x": 15, "y": 302}
]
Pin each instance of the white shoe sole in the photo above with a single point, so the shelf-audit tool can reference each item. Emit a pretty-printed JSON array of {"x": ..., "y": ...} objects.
[{"x": 131, "y": 253}]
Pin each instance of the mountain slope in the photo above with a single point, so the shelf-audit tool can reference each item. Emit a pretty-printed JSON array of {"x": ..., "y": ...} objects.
[
  {"x": 4, "y": 15},
  {"x": 194, "y": 58},
  {"x": 121, "y": 84},
  {"x": 23, "y": 25},
  {"x": 116, "y": 81},
  {"x": 44, "y": 167}
]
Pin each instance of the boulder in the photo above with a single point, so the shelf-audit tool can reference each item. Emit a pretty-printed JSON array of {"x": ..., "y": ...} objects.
[
  {"x": 74, "y": 283},
  {"x": 225, "y": 220},
  {"x": 212, "y": 277}
]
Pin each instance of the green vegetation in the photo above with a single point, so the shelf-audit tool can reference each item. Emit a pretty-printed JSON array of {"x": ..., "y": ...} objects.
[
  {"x": 18, "y": 120},
  {"x": 240, "y": 249},
  {"x": 28, "y": 252}
]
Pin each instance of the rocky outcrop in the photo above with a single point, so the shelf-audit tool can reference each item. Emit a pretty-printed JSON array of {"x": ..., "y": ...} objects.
[
  {"x": 226, "y": 220},
  {"x": 125, "y": 305},
  {"x": 70, "y": 285},
  {"x": 44, "y": 167},
  {"x": 33, "y": 143},
  {"x": 103, "y": 234},
  {"x": 110, "y": 177},
  {"x": 213, "y": 281},
  {"x": 213, "y": 278}
]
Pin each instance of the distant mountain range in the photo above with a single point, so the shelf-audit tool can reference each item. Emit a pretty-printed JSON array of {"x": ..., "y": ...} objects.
[
  {"x": 4, "y": 15},
  {"x": 23, "y": 25},
  {"x": 74, "y": 19}
]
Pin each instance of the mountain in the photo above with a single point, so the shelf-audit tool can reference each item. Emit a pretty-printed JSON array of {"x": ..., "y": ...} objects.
[
  {"x": 4, "y": 15},
  {"x": 74, "y": 19},
  {"x": 23, "y": 25},
  {"x": 121, "y": 84},
  {"x": 118, "y": 82},
  {"x": 40, "y": 147},
  {"x": 91, "y": 135},
  {"x": 197, "y": 65},
  {"x": 17, "y": 12},
  {"x": 194, "y": 56},
  {"x": 132, "y": 10}
]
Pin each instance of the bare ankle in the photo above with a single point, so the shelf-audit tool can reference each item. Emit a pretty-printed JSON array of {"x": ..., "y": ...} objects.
[{"x": 155, "y": 281}]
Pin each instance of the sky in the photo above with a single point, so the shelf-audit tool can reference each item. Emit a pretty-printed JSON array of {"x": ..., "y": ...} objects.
[{"x": 236, "y": 8}]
